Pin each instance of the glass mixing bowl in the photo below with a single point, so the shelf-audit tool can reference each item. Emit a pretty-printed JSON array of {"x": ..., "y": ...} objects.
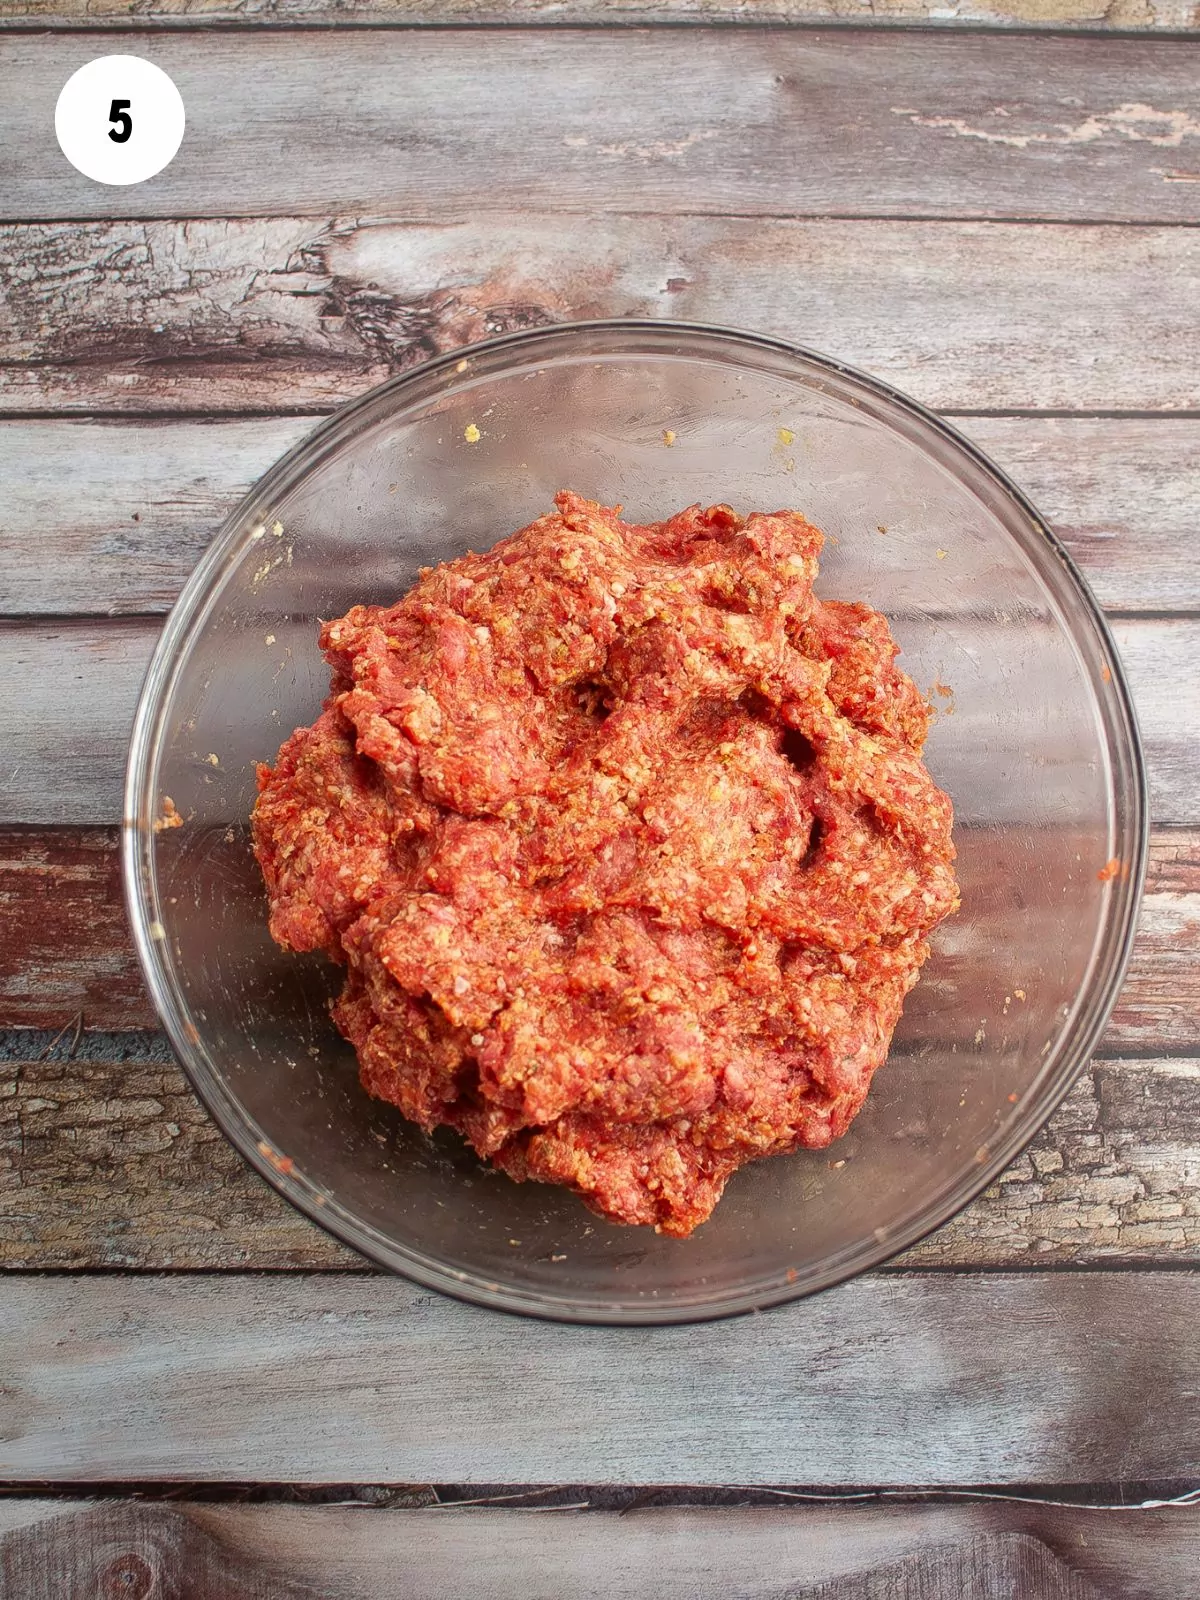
[{"x": 1035, "y": 742}]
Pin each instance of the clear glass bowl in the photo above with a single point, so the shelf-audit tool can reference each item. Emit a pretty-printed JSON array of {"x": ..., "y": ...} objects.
[{"x": 1036, "y": 743}]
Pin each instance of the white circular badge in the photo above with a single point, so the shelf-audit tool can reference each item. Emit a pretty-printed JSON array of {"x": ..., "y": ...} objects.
[{"x": 119, "y": 119}]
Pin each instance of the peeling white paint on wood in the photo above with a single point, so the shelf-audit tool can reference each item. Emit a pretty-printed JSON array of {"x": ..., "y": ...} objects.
[{"x": 1166, "y": 129}]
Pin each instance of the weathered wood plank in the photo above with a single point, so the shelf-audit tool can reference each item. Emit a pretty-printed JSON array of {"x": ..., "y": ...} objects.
[
  {"x": 1114, "y": 1178},
  {"x": 1173, "y": 14},
  {"x": 1159, "y": 1008},
  {"x": 113, "y": 516},
  {"x": 66, "y": 716},
  {"x": 695, "y": 1553},
  {"x": 72, "y": 686},
  {"x": 434, "y": 123},
  {"x": 703, "y": 1555},
  {"x": 1162, "y": 661},
  {"x": 68, "y": 950},
  {"x": 109, "y": 1161},
  {"x": 927, "y": 1379},
  {"x": 112, "y": 1163},
  {"x": 301, "y": 314},
  {"x": 101, "y": 517}
]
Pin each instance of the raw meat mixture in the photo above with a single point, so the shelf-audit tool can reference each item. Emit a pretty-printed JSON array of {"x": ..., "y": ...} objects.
[{"x": 625, "y": 842}]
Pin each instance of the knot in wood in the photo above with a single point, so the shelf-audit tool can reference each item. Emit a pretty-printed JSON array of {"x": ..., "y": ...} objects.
[{"x": 127, "y": 1577}]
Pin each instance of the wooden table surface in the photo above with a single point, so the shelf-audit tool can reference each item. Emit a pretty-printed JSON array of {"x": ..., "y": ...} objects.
[{"x": 1001, "y": 219}]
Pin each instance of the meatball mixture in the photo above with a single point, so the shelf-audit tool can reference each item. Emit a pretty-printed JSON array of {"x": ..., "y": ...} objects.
[{"x": 624, "y": 840}]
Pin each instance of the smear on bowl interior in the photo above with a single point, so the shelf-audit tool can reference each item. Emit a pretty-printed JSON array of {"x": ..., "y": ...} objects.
[{"x": 624, "y": 841}]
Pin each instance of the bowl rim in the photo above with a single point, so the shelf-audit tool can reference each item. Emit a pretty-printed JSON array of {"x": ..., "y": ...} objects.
[{"x": 187, "y": 617}]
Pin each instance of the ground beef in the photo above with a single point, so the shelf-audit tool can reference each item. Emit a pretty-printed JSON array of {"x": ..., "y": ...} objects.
[{"x": 626, "y": 845}]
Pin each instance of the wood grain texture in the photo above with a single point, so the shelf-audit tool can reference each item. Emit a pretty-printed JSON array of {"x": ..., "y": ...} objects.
[
  {"x": 113, "y": 516},
  {"x": 102, "y": 517},
  {"x": 1173, "y": 14},
  {"x": 355, "y": 1552},
  {"x": 112, "y": 1163},
  {"x": 72, "y": 687},
  {"x": 66, "y": 948},
  {"x": 107, "y": 1160},
  {"x": 82, "y": 1553},
  {"x": 930, "y": 1379},
  {"x": 66, "y": 717},
  {"x": 301, "y": 314},
  {"x": 1162, "y": 662},
  {"x": 433, "y": 124},
  {"x": 125, "y": 1551}
]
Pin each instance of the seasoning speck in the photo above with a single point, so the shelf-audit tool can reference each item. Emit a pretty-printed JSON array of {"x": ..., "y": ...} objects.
[
  {"x": 785, "y": 436},
  {"x": 1109, "y": 870},
  {"x": 668, "y": 436},
  {"x": 283, "y": 1164},
  {"x": 471, "y": 433}
]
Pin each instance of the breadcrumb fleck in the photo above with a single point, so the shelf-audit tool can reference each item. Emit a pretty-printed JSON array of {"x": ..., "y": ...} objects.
[
  {"x": 471, "y": 433},
  {"x": 169, "y": 818}
]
